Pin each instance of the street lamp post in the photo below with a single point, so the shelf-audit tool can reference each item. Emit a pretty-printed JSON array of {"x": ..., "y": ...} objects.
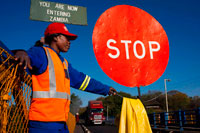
[{"x": 166, "y": 94}]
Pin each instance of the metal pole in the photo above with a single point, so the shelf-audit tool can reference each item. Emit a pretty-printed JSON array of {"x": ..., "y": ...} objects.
[
  {"x": 139, "y": 96},
  {"x": 180, "y": 121},
  {"x": 166, "y": 95},
  {"x": 166, "y": 99}
]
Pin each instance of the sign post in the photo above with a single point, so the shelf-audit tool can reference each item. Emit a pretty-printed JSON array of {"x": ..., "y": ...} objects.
[
  {"x": 58, "y": 12},
  {"x": 139, "y": 95},
  {"x": 130, "y": 46}
]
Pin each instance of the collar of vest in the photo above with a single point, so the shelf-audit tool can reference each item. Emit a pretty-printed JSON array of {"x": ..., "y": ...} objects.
[{"x": 61, "y": 58}]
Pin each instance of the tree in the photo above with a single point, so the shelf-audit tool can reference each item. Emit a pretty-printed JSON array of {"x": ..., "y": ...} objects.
[
  {"x": 153, "y": 101},
  {"x": 75, "y": 104},
  {"x": 82, "y": 112},
  {"x": 178, "y": 100},
  {"x": 150, "y": 95},
  {"x": 194, "y": 102},
  {"x": 114, "y": 103}
]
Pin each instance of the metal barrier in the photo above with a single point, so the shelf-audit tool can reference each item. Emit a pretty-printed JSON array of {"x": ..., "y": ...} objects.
[
  {"x": 181, "y": 119},
  {"x": 15, "y": 92}
]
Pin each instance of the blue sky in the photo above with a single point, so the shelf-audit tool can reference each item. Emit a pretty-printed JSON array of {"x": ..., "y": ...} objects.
[{"x": 179, "y": 18}]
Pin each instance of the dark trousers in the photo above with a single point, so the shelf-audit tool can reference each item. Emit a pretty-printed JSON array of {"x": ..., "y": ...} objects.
[{"x": 47, "y": 127}]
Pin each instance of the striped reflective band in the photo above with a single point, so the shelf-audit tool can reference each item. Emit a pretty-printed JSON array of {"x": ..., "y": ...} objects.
[
  {"x": 85, "y": 83},
  {"x": 52, "y": 93},
  {"x": 47, "y": 94}
]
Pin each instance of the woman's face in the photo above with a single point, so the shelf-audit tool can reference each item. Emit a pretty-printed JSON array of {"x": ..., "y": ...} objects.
[{"x": 63, "y": 43}]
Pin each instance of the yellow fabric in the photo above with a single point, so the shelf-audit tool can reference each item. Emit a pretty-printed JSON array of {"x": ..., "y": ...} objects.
[
  {"x": 71, "y": 122},
  {"x": 133, "y": 117}
]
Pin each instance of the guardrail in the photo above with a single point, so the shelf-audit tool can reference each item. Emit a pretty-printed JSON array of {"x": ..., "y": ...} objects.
[{"x": 183, "y": 119}]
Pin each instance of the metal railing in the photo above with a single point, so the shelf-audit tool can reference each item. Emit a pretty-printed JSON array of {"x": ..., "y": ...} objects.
[{"x": 180, "y": 119}]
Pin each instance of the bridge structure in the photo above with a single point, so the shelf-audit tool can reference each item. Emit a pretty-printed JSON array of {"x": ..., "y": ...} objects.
[{"x": 181, "y": 120}]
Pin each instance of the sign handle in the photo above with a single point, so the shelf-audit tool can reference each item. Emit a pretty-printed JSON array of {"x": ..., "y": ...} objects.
[{"x": 139, "y": 95}]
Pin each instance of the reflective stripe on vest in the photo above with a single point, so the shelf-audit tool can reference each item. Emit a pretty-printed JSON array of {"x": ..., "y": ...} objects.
[{"x": 52, "y": 93}]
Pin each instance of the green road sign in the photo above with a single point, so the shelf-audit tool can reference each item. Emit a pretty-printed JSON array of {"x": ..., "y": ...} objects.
[{"x": 58, "y": 12}]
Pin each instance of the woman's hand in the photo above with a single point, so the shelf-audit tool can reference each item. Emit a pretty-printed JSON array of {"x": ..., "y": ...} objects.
[
  {"x": 112, "y": 91},
  {"x": 23, "y": 59}
]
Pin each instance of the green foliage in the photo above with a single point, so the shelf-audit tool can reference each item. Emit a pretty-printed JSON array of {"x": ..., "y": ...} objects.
[
  {"x": 178, "y": 101},
  {"x": 150, "y": 111},
  {"x": 82, "y": 112},
  {"x": 75, "y": 104},
  {"x": 113, "y": 103},
  {"x": 194, "y": 102},
  {"x": 150, "y": 95}
]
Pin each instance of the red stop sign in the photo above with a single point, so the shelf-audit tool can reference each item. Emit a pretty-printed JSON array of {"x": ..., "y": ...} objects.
[{"x": 130, "y": 46}]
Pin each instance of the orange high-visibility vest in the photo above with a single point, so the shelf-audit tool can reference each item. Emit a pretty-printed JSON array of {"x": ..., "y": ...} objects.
[{"x": 51, "y": 91}]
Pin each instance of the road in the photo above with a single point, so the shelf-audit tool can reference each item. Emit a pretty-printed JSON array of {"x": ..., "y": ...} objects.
[
  {"x": 102, "y": 129},
  {"x": 81, "y": 128}
]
